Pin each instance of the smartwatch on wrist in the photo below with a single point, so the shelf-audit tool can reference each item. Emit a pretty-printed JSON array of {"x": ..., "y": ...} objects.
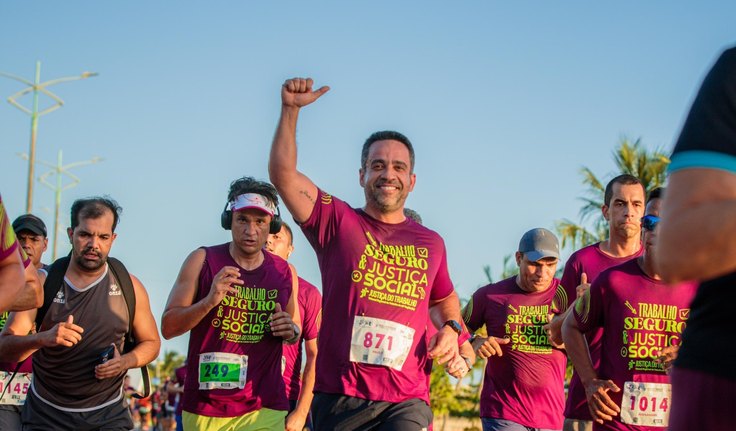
[
  {"x": 455, "y": 326},
  {"x": 293, "y": 339}
]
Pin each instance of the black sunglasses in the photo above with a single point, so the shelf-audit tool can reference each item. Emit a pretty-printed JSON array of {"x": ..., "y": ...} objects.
[{"x": 649, "y": 222}]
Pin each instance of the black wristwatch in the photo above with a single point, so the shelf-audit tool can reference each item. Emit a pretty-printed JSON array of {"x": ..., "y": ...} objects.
[{"x": 454, "y": 325}]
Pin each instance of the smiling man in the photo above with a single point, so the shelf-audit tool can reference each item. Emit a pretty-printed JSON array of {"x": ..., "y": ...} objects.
[{"x": 382, "y": 276}]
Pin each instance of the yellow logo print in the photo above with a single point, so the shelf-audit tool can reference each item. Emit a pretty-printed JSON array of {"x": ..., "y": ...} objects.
[{"x": 357, "y": 276}]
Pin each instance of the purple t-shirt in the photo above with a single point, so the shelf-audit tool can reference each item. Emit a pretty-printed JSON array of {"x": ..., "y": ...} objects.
[
  {"x": 181, "y": 377},
  {"x": 639, "y": 316},
  {"x": 310, "y": 305},
  {"x": 591, "y": 261},
  {"x": 526, "y": 384},
  {"x": 234, "y": 363},
  {"x": 377, "y": 282}
]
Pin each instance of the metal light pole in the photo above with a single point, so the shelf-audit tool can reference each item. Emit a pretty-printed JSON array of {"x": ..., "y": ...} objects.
[
  {"x": 35, "y": 87},
  {"x": 58, "y": 169}
]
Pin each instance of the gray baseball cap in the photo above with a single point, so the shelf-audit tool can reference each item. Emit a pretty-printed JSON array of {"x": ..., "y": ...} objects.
[{"x": 539, "y": 243}]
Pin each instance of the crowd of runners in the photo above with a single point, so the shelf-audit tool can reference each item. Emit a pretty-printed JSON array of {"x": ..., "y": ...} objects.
[{"x": 642, "y": 315}]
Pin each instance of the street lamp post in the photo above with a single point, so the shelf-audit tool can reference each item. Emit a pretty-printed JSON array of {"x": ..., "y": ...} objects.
[
  {"x": 35, "y": 87},
  {"x": 58, "y": 169}
]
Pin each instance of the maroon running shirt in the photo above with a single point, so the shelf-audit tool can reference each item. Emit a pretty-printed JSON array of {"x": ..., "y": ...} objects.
[
  {"x": 639, "y": 316},
  {"x": 526, "y": 384},
  {"x": 310, "y": 305},
  {"x": 234, "y": 363},
  {"x": 591, "y": 261},
  {"x": 377, "y": 282}
]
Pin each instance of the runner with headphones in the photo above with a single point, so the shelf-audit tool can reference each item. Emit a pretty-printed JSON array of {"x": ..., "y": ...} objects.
[{"x": 239, "y": 303}]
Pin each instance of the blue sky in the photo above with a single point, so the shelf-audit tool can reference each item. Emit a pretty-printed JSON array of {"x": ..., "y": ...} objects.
[{"x": 504, "y": 101}]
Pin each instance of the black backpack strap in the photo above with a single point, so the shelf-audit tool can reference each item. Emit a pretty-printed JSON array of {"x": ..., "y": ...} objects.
[
  {"x": 126, "y": 285},
  {"x": 51, "y": 286}
]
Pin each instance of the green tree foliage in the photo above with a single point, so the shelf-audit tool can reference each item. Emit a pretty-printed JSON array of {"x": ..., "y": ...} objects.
[
  {"x": 509, "y": 269},
  {"x": 630, "y": 158},
  {"x": 164, "y": 366},
  {"x": 441, "y": 395}
]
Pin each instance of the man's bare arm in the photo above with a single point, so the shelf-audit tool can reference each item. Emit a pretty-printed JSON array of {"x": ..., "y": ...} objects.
[
  {"x": 698, "y": 226},
  {"x": 31, "y": 296},
  {"x": 145, "y": 330},
  {"x": 297, "y": 191},
  {"x": 17, "y": 342},
  {"x": 12, "y": 280},
  {"x": 443, "y": 345},
  {"x": 182, "y": 313},
  {"x": 296, "y": 419}
]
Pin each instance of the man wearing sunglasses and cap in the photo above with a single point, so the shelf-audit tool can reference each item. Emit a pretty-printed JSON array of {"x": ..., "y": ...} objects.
[
  {"x": 239, "y": 302},
  {"x": 642, "y": 318},
  {"x": 523, "y": 385}
]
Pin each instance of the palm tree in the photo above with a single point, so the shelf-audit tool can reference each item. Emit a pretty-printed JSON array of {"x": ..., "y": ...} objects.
[{"x": 630, "y": 158}]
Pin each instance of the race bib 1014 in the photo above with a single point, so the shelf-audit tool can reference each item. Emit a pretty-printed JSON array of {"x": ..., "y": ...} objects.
[{"x": 646, "y": 404}]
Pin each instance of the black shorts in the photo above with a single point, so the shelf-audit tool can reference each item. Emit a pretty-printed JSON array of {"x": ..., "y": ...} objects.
[
  {"x": 344, "y": 413},
  {"x": 40, "y": 416}
]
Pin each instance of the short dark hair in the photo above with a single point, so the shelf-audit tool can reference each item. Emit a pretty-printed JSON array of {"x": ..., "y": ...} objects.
[
  {"x": 93, "y": 208},
  {"x": 385, "y": 135},
  {"x": 245, "y": 185},
  {"x": 656, "y": 193},
  {"x": 623, "y": 179},
  {"x": 288, "y": 229}
]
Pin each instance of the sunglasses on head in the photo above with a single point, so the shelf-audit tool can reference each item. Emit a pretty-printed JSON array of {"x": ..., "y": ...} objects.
[{"x": 649, "y": 222}]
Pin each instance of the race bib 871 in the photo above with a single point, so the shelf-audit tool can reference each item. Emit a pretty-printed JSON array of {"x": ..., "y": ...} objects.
[{"x": 380, "y": 342}]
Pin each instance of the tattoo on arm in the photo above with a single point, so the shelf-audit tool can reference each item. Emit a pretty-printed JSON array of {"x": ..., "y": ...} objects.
[{"x": 311, "y": 199}]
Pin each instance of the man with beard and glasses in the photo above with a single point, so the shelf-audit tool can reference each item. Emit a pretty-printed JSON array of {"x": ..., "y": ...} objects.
[
  {"x": 623, "y": 206},
  {"x": 383, "y": 275},
  {"x": 73, "y": 386}
]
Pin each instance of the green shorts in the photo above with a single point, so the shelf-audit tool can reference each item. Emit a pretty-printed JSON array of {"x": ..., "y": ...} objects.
[{"x": 259, "y": 420}]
